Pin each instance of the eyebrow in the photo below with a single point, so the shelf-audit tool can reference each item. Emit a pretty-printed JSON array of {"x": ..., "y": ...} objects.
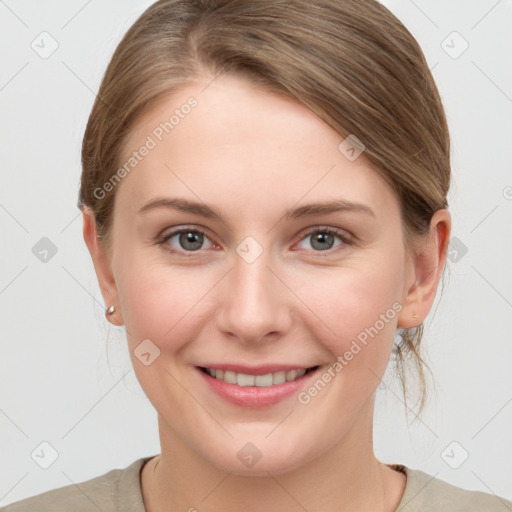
[{"x": 309, "y": 210}]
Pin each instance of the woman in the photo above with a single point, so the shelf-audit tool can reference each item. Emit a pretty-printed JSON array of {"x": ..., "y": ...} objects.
[{"x": 301, "y": 149}]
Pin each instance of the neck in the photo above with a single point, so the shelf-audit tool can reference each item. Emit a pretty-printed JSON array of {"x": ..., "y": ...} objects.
[{"x": 345, "y": 477}]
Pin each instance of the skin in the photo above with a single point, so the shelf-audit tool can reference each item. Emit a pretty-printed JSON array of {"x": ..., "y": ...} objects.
[{"x": 252, "y": 155}]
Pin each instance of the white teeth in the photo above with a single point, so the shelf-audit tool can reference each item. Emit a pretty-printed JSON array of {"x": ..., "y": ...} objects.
[
  {"x": 243, "y": 379},
  {"x": 264, "y": 380},
  {"x": 291, "y": 375},
  {"x": 279, "y": 377},
  {"x": 229, "y": 377}
]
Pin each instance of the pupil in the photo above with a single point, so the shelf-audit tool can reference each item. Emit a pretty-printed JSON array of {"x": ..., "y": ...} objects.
[
  {"x": 325, "y": 241},
  {"x": 193, "y": 238}
]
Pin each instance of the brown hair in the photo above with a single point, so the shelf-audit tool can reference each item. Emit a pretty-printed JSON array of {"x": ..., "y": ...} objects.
[{"x": 352, "y": 62}]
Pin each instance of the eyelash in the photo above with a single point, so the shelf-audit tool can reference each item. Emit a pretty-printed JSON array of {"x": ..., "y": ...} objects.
[{"x": 345, "y": 239}]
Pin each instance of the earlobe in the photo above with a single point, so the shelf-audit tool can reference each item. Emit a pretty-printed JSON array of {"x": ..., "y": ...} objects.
[
  {"x": 101, "y": 261},
  {"x": 425, "y": 272}
]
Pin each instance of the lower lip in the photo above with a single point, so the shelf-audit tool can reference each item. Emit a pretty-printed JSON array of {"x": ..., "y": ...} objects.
[{"x": 254, "y": 397}]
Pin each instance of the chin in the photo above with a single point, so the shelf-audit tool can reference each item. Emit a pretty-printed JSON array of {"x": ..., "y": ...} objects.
[
  {"x": 275, "y": 464},
  {"x": 261, "y": 456}
]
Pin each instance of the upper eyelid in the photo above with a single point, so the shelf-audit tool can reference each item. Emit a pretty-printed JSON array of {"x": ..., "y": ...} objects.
[
  {"x": 343, "y": 233},
  {"x": 177, "y": 231}
]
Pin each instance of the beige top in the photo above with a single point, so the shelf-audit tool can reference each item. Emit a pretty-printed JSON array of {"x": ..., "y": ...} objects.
[{"x": 119, "y": 491}]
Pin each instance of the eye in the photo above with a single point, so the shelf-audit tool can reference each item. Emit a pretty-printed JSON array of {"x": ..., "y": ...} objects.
[
  {"x": 185, "y": 240},
  {"x": 190, "y": 240},
  {"x": 323, "y": 239}
]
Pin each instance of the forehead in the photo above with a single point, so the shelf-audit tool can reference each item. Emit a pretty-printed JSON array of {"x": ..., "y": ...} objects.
[{"x": 249, "y": 149}]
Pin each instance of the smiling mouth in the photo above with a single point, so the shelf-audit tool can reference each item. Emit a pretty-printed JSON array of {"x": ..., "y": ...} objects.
[{"x": 267, "y": 380}]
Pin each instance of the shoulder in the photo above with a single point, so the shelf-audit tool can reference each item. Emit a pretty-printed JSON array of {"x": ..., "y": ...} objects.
[
  {"x": 426, "y": 493},
  {"x": 119, "y": 489}
]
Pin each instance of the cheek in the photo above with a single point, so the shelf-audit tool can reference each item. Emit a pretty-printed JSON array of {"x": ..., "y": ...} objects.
[
  {"x": 160, "y": 302},
  {"x": 354, "y": 310},
  {"x": 361, "y": 306}
]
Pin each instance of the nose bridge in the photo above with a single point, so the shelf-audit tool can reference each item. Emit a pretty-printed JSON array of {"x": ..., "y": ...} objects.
[{"x": 253, "y": 303}]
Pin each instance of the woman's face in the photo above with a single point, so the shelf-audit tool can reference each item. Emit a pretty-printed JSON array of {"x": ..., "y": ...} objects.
[{"x": 262, "y": 287}]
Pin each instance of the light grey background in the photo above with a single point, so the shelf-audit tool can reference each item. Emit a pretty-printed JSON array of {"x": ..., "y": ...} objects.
[{"x": 66, "y": 377}]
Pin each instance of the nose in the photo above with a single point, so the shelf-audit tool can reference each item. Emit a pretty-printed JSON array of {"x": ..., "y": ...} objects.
[{"x": 254, "y": 304}]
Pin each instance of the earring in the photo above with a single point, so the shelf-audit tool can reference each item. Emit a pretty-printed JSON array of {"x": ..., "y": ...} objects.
[
  {"x": 110, "y": 311},
  {"x": 414, "y": 315}
]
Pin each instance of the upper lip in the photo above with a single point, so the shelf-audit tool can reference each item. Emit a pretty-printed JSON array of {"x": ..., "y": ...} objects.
[{"x": 257, "y": 370}]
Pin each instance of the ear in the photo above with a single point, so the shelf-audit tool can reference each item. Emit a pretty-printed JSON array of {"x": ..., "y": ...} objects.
[
  {"x": 101, "y": 259},
  {"x": 424, "y": 271}
]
